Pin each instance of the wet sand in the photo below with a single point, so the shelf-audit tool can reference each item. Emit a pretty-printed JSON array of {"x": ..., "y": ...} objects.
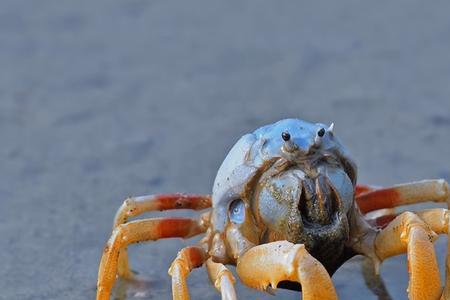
[{"x": 100, "y": 100}]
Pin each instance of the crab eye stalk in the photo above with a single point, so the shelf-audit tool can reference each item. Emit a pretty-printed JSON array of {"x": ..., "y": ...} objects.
[
  {"x": 236, "y": 211},
  {"x": 289, "y": 145},
  {"x": 319, "y": 136}
]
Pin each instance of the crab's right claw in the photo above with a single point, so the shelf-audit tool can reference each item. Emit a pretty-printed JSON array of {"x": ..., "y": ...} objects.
[{"x": 278, "y": 261}]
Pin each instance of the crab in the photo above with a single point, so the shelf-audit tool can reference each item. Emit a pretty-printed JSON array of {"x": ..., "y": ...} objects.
[{"x": 287, "y": 211}]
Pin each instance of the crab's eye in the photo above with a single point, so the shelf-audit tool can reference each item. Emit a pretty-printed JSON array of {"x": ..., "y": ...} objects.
[
  {"x": 237, "y": 211},
  {"x": 285, "y": 136},
  {"x": 321, "y": 132}
]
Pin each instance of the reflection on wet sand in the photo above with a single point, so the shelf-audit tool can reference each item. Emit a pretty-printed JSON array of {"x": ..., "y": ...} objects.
[{"x": 138, "y": 288}]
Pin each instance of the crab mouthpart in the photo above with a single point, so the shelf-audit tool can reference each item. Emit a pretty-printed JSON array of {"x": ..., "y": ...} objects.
[{"x": 318, "y": 202}]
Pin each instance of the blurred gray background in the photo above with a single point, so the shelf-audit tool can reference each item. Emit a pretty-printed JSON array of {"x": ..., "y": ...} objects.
[{"x": 104, "y": 99}]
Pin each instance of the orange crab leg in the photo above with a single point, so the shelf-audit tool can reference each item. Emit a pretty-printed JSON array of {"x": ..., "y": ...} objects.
[
  {"x": 438, "y": 220},
  {"x": 277, "y": 261},
  {"x": 404, "y": 194},
  {"x": 222, "y": 278},
  {"x": 409, "y": 233},
  {"x": 187, "y": 259},
  {"x": 134, "y": 206},
  {"x": 364, "y": 188},
  {"x": 139, "y": 231},
  {"x": 382, "y": 221}
]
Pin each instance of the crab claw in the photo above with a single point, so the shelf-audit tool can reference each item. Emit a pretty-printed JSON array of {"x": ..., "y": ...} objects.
[{"x": 268, "y": 264}]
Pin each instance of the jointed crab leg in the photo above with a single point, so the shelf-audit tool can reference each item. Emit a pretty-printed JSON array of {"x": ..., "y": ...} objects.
[
  {"x": 138, "y": 231},
  {"x": 222, "y": 278},
  {"x": 277, "y": 261},
  {"x": 187, "y": 259},
  {"x": 438, "y": 220},
  {"x": 409, "y": 193},
  {"x": 134, "y": 206},
  {"x": 409, "y": 233}
]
